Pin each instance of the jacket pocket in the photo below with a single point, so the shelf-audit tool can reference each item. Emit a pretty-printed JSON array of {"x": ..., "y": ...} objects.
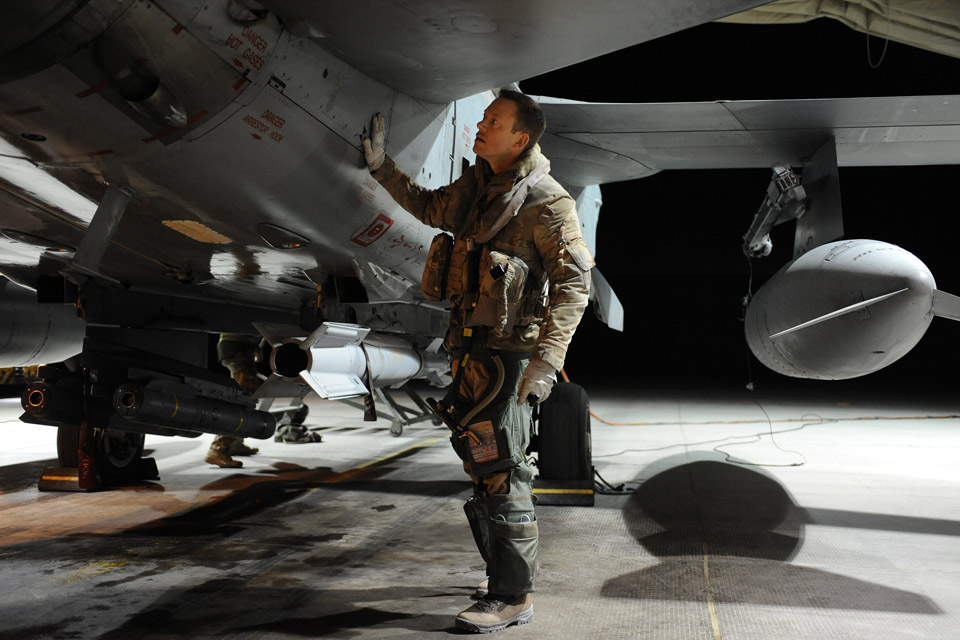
[
  {"x": 502, "y": 281},
  {"x": 533, "y": 303},
  {"x": 433, "y": 284}
]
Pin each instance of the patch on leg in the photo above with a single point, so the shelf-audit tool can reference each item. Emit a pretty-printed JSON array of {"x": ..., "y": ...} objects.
[{"x": 483, "y": 448}]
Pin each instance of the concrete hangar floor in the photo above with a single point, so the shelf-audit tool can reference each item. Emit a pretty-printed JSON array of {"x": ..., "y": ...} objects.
[{"x": 741, "y": 516}]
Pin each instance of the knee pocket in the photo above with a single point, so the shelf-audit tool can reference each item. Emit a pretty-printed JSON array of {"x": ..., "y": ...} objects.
[{"x": 511, "y": 508}]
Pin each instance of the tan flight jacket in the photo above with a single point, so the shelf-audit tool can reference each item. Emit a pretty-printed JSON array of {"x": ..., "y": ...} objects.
[{"x": 543, "y": 308}]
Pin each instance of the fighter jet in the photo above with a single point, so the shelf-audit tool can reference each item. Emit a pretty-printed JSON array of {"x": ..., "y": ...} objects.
[{"x": 175, "y": 169}]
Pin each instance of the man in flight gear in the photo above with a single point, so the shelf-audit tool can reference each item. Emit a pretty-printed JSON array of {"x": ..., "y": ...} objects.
[
  {"x": 237, "y": 353},
  {"x": 517, "y": 274}
]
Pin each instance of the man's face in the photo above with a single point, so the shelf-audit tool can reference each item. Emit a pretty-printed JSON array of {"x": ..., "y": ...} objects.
[{"x": 495, "y": 141}]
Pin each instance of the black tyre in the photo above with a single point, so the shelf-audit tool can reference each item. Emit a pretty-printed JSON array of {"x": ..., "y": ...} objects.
[
  {"x": 68, "y": 443},
  {"x": 118, "y": 452},
  {"x": 564, "y": 447}
]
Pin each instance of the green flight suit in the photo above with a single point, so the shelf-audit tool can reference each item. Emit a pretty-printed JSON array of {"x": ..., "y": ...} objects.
[{"x": 534, "y": 285}]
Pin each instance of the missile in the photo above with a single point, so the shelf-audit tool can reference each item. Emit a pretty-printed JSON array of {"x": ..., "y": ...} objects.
[
  {"x": 844, "y": 310},
  {"x": 161, "y": 408},
  {"x": 339, "y": 360},
  {"x": 54, "y": 401},
  {"x": 187, "y": 411}
]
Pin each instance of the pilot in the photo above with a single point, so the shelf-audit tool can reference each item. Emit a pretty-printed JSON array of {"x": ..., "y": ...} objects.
[{"x": 516, "y": 272}]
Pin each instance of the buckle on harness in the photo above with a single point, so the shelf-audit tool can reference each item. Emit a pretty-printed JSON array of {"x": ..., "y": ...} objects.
[{"x": 445, "y": 413}]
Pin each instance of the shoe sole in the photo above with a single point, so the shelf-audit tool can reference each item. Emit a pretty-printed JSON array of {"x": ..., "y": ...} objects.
[
  {"x": 476, "y": 627},
  {"x": 226, "y": 465}
]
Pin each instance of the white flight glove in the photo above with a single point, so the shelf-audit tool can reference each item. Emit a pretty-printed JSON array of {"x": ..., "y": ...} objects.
[
  {"x": 537, "y": 381},
  {"x": 374, "y": 148}
]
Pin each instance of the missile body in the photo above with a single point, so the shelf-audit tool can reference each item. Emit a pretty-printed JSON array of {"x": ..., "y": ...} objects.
[
  {"x": 186, "y": 411},
  {"x": 341, "y": 361}
]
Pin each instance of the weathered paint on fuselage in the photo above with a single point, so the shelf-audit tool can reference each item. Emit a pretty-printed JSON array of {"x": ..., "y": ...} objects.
[{"x": 246, "y": 125}]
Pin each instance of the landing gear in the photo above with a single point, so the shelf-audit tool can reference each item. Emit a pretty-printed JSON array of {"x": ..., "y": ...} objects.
[
  {"x": 68, "y": 443},
  {"x": 565, "y": 447},
  {"x": 565, "y": 455},
  {"x": 118, "y": 454}
]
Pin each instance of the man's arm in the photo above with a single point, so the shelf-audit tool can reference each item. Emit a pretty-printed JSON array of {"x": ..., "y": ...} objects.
[
  {"x": 567, "y": 262},
  {"x": 436, "y": 207}
]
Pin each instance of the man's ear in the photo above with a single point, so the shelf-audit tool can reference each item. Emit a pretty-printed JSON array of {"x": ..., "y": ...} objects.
[{"x": 522, "y": 140}]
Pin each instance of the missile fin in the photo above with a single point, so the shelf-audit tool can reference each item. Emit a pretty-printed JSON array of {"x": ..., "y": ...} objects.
[
  {"x": 838, "y": 313},
  {"x": 335, "y": 334},
  {"x": 334, "y": 386}
]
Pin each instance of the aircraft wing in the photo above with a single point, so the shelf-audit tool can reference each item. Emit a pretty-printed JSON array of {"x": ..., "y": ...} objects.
[
  {"x": 594, "y": 143},
  {"x": 442, "y": 51}
]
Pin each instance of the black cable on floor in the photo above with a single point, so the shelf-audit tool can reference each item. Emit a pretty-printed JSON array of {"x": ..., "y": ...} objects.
[{"x": 605, "y": 488}]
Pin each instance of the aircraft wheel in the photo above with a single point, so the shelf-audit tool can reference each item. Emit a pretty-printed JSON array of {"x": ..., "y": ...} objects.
[
  {"x": 564, "y": 440},
  {"x": 68, "y": 441},
  {"x": 118, "y": 452}
]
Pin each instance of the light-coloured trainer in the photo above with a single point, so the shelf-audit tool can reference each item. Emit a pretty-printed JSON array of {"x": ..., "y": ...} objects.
[{"x": 493, "y": 613}]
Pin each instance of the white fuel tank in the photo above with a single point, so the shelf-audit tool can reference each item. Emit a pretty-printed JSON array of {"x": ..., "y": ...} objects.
[{"x": 841, "y": 310}]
